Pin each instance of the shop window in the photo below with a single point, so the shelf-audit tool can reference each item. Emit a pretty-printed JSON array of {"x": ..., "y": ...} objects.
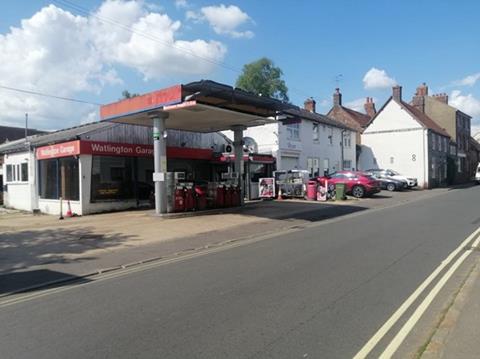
[
  {"x": 112, "y": 178},
  {"x": 313, "y": 166},
  {"x": 24, "y": 172},
  {"x": 59, "y": 177},
  {"x": 257, "y": 171},
  {"x": 17, "y": 173},
  {"x": 9, "y": 173}
]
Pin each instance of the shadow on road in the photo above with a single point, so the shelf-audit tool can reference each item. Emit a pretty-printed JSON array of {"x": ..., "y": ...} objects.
[
  {"x": 307, "y": 211},
  {"x": 25, "y": 249},
  {"x": 23, "y": 281}
]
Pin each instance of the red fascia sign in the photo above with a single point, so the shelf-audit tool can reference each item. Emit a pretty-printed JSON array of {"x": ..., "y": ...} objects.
[
  {"x": 142, "y": 103},
  {"x": 71, "y": 148},
  {"x": 98, "y": 148},
  {"x": 115, "y": 149}
]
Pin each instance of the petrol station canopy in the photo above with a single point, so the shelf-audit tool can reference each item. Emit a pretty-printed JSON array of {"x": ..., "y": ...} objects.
[{"x": 203, "y": 106}]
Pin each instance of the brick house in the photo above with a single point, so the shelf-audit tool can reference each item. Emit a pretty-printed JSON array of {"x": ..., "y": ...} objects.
[
  {"x": 455, "y": 122},
  {"x": 349, "y": 117}
]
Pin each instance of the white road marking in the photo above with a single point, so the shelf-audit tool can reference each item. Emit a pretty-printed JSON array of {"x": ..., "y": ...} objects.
[
  {"x": 412, "y": 321},
  {"x": 375, "y": 339}
]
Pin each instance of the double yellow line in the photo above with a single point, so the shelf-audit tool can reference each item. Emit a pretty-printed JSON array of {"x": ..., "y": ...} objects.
[{"x": 393, "y": 346}]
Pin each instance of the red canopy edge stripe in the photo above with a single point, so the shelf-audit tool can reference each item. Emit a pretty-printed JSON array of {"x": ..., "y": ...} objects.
[{"x": 149, "y": 101}]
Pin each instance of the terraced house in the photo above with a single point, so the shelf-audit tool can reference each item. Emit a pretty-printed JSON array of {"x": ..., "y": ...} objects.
[
  {"x": 455, "y": 122},
  {"x": 405, "y": 139}
]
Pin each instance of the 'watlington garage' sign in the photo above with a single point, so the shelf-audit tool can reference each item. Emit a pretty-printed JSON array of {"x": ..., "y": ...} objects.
[
  {"x": 116, "y": 149},
  {"x": 74, "y": 148},
  {"x": 65, "y": 149}
]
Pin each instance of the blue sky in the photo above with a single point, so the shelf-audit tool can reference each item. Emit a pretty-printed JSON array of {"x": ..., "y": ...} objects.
[{"x": 405, "y": 42}]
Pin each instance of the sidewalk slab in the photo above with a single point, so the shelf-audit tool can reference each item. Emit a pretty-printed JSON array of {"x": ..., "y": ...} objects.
[{"x": 458, "y": 334}]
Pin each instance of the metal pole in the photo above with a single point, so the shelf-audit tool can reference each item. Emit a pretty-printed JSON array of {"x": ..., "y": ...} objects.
[
  {"x": 160, "y": 162},
  {"x": 239, "y": 165},
  {"x": 26, "y": 126}
]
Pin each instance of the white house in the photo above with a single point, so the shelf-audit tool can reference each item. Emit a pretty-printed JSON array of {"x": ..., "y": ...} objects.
[
  {"x": 307, "y": 140},
  {"x": 402, "y": 138}
]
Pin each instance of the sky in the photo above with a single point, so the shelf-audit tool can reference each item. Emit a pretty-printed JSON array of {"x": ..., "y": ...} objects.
[{"x": 92, "y": 50}]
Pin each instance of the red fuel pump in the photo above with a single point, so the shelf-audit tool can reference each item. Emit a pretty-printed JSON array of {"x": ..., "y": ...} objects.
[
  {"x": 179, "y": 203},
  {"x": 201, "y": 198},
  {"x": 220, "y": 197},
  {"x": 236, "y": 196},
  {"x": 228, "y": 196},
  {"x": 189, "y": 198}
]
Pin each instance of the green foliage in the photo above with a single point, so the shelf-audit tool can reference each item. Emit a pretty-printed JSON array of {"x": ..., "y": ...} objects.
[
  {"x": 263, "y": 77},
  {"x": 127, "y": 94}
]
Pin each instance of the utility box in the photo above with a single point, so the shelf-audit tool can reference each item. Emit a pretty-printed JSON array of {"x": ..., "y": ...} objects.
[{"x": 340, "y": 191}]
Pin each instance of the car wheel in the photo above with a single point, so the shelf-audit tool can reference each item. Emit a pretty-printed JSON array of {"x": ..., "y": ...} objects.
[
  {"x": 391, "y": 187},
  {"x": 358, "y": 191}
]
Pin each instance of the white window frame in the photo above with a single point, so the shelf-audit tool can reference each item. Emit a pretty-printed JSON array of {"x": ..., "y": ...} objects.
[
  {"x": 347, "y": 139},
  {"x": 316, "y": 132},
  {"x": 16, "y": 172},
  {"x": 293, "y": 131},
  {"x": 330, "y": 136}
]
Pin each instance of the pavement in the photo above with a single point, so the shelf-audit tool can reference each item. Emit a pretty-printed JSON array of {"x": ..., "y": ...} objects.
[
  {"x": 40, "y": 249},
  {"x": 457, "y": 333},
  {"x": 321, "y": 289}
]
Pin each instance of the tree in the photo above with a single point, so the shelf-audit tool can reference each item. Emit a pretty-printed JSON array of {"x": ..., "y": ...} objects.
[
  {"x": 262, "y": 77},
  {"x": 127, "y": 94}
]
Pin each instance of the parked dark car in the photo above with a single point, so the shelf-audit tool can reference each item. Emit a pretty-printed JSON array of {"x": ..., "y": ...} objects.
[
  {"x": 357, "y": 184},
  {"x": 411, "y": 182},
  {"x": 390, "y": 184}
]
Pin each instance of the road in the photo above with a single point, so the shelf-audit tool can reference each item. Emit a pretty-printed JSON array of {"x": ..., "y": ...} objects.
[{"x": 319, "y": 292}]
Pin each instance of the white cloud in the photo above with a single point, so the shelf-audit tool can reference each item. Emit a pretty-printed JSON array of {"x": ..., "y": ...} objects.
[
  {"x": 181, "y": 4},
  {"x": 377, "y": 79},
  {"x": 325, "y": 102},
  {"x": 225, "y": 20},
  {"x": 357, "y": 105},
  {"x": 470, "y": 80},
  {"x": 468, "y": 104},
  {"x": 66, "y": 55},
  {"x": 465, "y": 103}
]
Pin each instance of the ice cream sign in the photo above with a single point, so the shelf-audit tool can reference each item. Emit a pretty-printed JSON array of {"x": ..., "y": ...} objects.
[{"x": 64, "y": 149}]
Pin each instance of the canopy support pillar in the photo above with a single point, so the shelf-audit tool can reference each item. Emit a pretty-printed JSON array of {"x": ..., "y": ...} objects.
[
  {"x": 160, "y": 161},
  {"x": 239, "y": 163}
]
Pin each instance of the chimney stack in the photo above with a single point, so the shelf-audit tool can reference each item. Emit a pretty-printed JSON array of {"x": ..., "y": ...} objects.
[
  {"x": 422, "y": 90},
  {"x": 337, "y": 97},
  {"x": 397, "y": 93},
  {"x": 418, "y": 101},
  {"x": 442, "y": 97},
  {"x": 310, "y": 105},
  {"x": 370, "y": 107}
]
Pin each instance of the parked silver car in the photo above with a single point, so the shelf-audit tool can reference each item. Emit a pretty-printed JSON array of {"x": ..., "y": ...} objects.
[{"x": 411, "y": 182}]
